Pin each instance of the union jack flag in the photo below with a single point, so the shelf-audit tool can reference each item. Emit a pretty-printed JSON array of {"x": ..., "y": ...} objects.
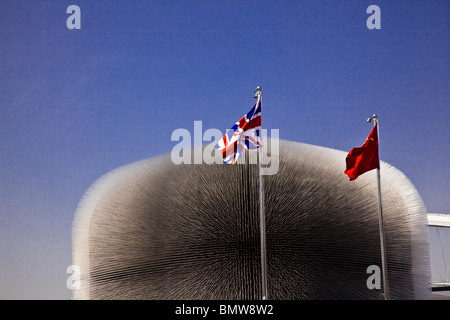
[{"x": 245, "y": 134}]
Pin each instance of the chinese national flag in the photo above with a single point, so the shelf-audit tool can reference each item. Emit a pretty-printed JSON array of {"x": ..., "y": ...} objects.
[{"x": 365, "y": 158}]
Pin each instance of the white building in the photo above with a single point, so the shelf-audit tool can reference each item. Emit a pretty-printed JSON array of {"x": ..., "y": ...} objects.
[{"x": 439, "y": 233}]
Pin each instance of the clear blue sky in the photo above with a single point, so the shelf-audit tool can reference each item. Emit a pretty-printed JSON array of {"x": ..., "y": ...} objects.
[{"x": 75, "y": 104}]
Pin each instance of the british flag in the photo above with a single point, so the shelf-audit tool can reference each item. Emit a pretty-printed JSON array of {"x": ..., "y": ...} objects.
[{"x": 245, "y": 134}]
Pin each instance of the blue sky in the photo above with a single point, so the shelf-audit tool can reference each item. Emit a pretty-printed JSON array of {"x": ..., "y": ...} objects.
[{"x": 75, "y": 104}]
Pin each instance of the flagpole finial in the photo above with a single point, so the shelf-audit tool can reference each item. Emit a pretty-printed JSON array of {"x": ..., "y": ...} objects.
[
  {"x": 374, "y": 118},
  {"x": 258, "y": 91}
]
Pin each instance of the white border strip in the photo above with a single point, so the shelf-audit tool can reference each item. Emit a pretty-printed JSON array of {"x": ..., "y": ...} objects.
[{"x": 439, "y": 220}]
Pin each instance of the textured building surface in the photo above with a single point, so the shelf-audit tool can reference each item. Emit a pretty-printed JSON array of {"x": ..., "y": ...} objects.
[{"x": 155, "y": 230}]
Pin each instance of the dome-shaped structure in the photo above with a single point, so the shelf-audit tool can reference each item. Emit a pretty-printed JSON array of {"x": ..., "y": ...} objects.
[{"x": 156, "y": 230}]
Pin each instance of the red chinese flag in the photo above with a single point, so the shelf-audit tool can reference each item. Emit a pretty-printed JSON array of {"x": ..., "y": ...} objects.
[{"x": 365, "y": 158}]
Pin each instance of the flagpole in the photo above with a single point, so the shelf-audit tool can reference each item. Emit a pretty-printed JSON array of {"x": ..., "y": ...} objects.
[
  {"x": 380, "y": 218},
  {"x": 262, "y": 215}
]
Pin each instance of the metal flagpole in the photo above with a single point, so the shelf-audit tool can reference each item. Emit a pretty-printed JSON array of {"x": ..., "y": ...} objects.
[
  {"x": 380, "y": 218},
  {"x": 262, "y": 215}
]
